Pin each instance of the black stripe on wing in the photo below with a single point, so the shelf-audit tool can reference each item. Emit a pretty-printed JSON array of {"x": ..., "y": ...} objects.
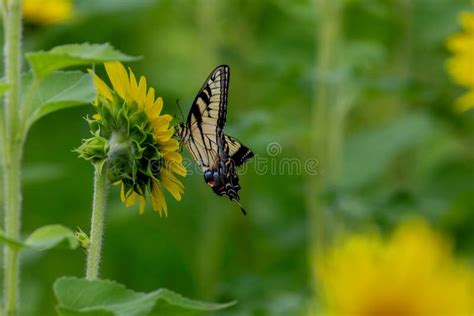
[
  {"x": 210, "y": 104},
  {"x": 237, "y": 151}
]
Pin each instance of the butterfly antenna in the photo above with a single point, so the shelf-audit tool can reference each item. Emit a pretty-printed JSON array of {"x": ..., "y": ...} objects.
[{"x": 179, "y": 108}]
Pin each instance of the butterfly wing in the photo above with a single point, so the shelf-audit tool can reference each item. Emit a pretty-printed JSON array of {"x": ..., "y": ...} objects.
[
  {"x": 206, "y": 117},
  {"x": 237, "y": 151},
  {"x": 202, "y": 134}
]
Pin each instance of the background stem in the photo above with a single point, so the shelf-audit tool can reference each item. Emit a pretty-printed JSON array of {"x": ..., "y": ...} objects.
[
  {"x": 97, "y": 222},
  {"x": 12, "y": 150},
  {"x": 324, "y": 121}
]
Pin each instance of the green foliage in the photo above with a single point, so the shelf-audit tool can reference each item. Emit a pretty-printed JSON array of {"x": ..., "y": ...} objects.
[
  {"x": 384, "y": 145},
  {"x": 51, "y": 236},
  {"x": 86, "y": 7},
  {"x": 44, "y": 238},
  {"x": 43, "y": 63},
  {"x": 61, "y": 90},
  {"x": 46, "y": 90},
  {"x": 15, "y": 244},
  {"x": 102, "y": 297},
  {"x": 406, "y": 151}
]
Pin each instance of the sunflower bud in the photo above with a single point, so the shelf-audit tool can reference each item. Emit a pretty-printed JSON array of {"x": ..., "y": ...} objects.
[
  {"x": 93, "y": 149},
  {"x": 82, "y": 238}
]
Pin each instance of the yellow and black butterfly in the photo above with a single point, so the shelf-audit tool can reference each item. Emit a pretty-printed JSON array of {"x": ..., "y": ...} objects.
[{"x": 202, "y": 134}]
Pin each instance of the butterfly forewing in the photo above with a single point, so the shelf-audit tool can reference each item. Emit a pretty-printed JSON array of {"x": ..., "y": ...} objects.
[{"x": 207, "y": 114}]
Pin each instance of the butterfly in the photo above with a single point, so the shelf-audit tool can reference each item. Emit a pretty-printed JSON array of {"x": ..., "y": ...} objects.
[{"x": 202, "y": 134}]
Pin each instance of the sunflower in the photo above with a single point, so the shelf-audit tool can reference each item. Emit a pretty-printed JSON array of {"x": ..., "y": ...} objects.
[
  {"x": 47, "y": 11},
  {"x": 134, "y": 139},
  {"x": 412, "y": 273},
  {"x": 461, "y": 65}
]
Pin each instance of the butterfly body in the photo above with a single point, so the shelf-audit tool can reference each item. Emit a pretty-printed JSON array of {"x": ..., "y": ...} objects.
[{"x": 202, "y": 135}]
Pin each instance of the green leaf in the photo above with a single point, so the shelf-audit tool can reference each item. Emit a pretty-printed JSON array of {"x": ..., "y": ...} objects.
[
  {"x": 50, "y": 236},
  {"x": 103, "y": 297},
  {"x": 43, "y": 63},
  {"x": 15, "y": 244},
  {"x": 62, "y": 89}
]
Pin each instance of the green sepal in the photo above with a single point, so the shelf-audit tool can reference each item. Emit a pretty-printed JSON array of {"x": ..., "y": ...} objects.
[
  {"x": 132, "y": 154},
  {"x": 93, "y": 149}
]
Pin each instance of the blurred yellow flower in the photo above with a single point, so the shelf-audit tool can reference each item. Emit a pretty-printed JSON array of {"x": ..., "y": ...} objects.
[
  {"x": 461, "y": 65},
  {"x": 47, "y": 11},
  {"x": 412, "y": 273},
  {"x": 135, "y": 138}
]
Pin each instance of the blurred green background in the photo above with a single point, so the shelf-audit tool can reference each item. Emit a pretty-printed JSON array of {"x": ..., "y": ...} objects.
[{"x": 399, "y": 147}]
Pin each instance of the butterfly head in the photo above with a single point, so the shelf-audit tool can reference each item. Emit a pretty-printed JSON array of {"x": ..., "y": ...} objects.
[{"x": 180, "y": 130}]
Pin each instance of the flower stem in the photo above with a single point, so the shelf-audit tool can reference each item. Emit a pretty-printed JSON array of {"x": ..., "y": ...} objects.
[
  {"x": 12, "y": 195},
  {"x": 97, "y": 222},
  {"x": 12, "y": 150}
]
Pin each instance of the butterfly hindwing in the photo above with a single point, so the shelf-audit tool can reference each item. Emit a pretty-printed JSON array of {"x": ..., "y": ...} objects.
[{"x": 237, "y": 151}]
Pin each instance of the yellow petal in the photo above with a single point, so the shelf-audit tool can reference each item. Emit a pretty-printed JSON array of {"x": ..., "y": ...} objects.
[
  {"x": 175, "y": 165},
  {"x": 130, "y": 199},
  {"x": 97, "y": 117},
  {"x": 158, "y": 105},
  {"x": 173, "y": 155},
  {"x": 122, "y": 193},
  {"x": 102, "y": 88},
  {"x": 162, "y": 137},
  {"x": 172, "y": 184},
  {"x": 461, "y": 44},
  {"x": 142, "y": 89},
  {"x": 149, "y": 98},
  {"x": 172, "y": 188},
  {"x": 179, "y": 169},
  {"x": 170, "y": 145},
  {"x": 47, "y": 11},
  {"x": 133, "y": 86},
  {"x": 119, "y": 78},
  {"x": 466, "y": 19},
  {"x": 461, "y": 69},
  {"x": 142, "y": 204},
  {"x": 465, "y": 102},
  {"x": 153, "y": 110},
  {"x": 158, "y": 200}
]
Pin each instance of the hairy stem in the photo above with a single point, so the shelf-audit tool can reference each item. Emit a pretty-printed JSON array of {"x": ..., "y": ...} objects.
[
  {"x": 12, "y": 196},
  {"x": 12, "y": 151},
  {"x": 97, "y": 222}
]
